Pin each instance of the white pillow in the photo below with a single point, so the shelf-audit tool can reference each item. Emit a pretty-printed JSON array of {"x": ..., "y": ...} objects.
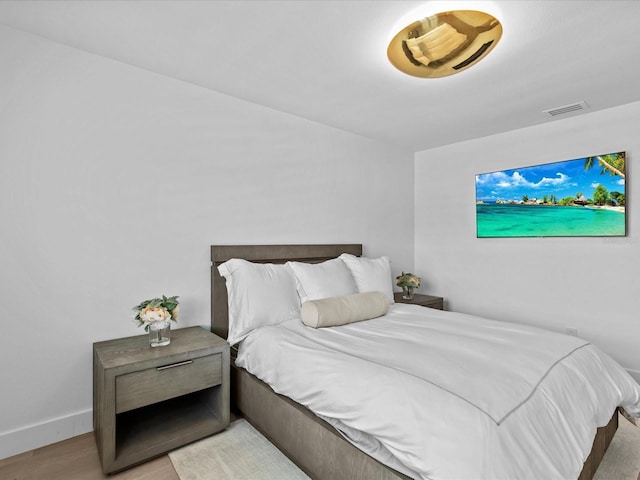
[
  {"x": 330, "y": 278},
  {"x": 334, "y": 311},
  {"x": 370, "y": 274},
  {"x": 259, "y": 294}
]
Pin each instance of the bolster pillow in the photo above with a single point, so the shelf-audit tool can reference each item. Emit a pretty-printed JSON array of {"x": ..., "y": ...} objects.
[{"x": 334, "y": 311}]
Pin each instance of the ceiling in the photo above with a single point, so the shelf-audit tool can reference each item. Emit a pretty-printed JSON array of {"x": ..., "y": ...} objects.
[{"x": 326, "y": 60}]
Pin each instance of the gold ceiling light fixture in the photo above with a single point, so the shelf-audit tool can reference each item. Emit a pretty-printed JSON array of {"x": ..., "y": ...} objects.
[{"x": 445, "y": 43}]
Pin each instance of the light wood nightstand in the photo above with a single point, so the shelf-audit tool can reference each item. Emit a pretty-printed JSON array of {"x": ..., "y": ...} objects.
[
  {"x": 419, "y": 299},
  {"x": 148, "y": 401}
]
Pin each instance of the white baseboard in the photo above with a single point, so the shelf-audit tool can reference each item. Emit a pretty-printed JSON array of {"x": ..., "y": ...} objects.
[{"x": 35, "y": 436}]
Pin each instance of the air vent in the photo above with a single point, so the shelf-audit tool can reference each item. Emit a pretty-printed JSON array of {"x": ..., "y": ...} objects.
[{"x": 574, "y": 107}]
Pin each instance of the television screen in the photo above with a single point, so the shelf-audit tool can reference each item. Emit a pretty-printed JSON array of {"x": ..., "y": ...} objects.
[{"x": 584, "y": 197}]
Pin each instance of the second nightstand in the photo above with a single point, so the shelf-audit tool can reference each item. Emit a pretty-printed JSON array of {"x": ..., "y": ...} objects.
[
  {"x": 148, "y": 401},
  {"x": 424, "y": 300}
]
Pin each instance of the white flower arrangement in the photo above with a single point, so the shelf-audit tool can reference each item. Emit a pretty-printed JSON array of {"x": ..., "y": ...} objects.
[
  {"x": 156, "y": 310},
  {"x": 408, "y": 280}
]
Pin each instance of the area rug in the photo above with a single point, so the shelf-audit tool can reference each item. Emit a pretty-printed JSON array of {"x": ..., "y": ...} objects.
[{"x": 238, "y": 453}]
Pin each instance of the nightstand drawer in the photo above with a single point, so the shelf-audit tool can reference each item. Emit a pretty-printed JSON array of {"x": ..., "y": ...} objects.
[{"x": 145, "y": 387}]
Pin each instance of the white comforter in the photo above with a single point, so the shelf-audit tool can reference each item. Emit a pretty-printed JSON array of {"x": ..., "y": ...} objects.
[{"x": 447, "y": 396}]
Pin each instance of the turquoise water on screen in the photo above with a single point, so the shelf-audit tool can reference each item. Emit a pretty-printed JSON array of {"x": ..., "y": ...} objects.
[{"x": 498, "y": 220}]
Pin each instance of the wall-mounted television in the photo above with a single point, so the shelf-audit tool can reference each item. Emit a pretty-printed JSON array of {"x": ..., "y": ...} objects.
[{"x": 584, "y": 197}]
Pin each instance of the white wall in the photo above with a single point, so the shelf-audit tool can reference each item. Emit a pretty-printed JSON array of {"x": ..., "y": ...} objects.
[
  {"x": 115, "y": 181},
  {"x": 587, "y": 283}
]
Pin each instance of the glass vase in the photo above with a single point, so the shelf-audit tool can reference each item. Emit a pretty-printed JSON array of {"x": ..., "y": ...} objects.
[
  {"x": 407, "y": 293},
  {"x": 160, "y": 333}
]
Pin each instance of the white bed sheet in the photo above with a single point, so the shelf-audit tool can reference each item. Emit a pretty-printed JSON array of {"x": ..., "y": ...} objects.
[{"x": 446, "y": 396}]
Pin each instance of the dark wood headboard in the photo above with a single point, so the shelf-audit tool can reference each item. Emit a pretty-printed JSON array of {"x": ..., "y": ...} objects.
[{"x": 262, "y": 254}]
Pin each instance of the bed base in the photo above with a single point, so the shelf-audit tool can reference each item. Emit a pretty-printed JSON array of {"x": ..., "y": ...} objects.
[
  {"x": 319, "y": 449},
  {"x": 310, "y": 442}
]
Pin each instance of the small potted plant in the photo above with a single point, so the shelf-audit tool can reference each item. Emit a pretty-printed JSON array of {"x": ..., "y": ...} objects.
[
  {"x": 408, "y": 282},
  {"x": 156, "y": 315}
]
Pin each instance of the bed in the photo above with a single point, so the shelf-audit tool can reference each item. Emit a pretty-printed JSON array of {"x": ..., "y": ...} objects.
[{"x": 309, "y": 441}]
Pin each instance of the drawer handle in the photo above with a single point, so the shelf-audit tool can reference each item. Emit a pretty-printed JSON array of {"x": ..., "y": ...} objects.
[{"x": 173, "y": 365}]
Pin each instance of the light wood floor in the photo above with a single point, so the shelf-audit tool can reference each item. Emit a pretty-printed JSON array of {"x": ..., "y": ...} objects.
[{"x": 77, "y": 459}]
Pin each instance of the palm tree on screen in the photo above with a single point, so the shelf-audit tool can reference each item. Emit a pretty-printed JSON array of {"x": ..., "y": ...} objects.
[{"x": 612, "y": 163}]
